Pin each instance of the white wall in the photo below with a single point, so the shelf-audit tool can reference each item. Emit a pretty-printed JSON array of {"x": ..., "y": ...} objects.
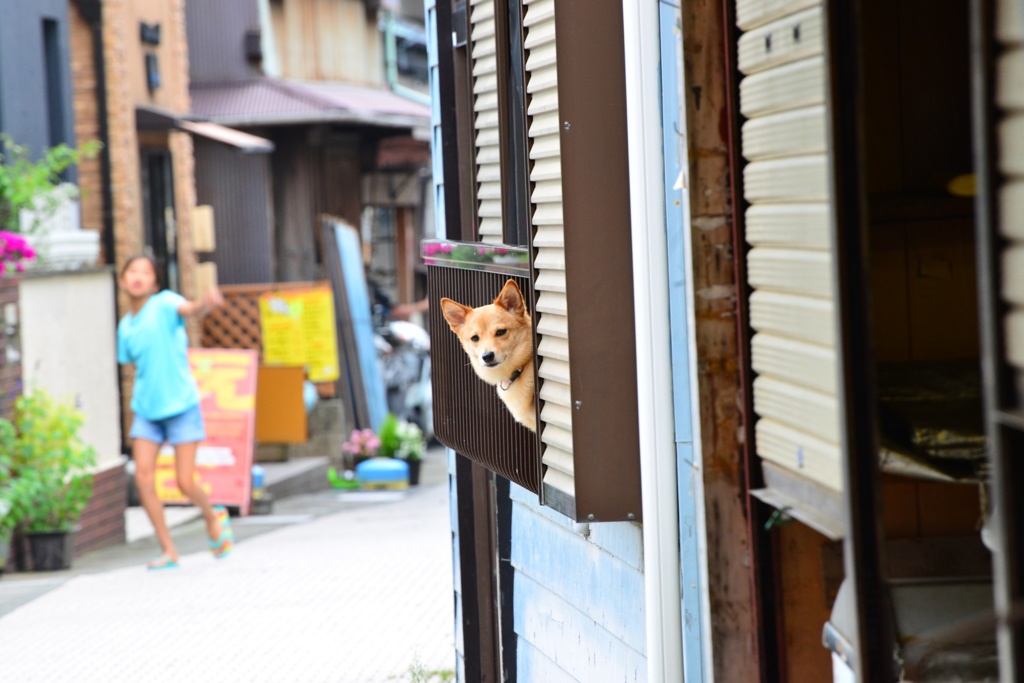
[{"x": 69, "y": 349}]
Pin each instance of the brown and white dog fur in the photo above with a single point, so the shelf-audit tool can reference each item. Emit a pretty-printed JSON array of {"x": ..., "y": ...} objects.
[{"x": 498, "y": 338}]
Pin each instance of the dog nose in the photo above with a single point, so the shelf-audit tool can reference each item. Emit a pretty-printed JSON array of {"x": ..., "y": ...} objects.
[{"x": 488, "y": 357}]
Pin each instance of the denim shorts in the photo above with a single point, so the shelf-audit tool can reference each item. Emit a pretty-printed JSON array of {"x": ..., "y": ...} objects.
[{"x": 184, "y": 427}]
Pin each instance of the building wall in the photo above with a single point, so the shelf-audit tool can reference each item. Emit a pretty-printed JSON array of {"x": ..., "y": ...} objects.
[
  {"x": 327, "y": 40},
  {"x": 579, "y": 597},
  {"x": 86, "y": 115},
  {"x": 216, "y": 39},
  {"x": 237, "y": 186},
  {"x": 24, "y": 95}
]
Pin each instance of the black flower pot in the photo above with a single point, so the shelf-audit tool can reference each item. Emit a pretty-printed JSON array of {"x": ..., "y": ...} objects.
[
  {"x": 414, "y": 471},
  {"x": 50, "y": 550}
]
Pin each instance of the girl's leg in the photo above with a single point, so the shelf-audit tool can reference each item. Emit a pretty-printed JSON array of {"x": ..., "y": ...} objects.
[
  {"x": 144, "y": 453},
  {"x": 185, "y": 467}
]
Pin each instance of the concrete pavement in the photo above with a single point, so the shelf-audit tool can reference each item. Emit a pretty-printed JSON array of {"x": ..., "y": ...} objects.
[{"x": 360, "y": 595}]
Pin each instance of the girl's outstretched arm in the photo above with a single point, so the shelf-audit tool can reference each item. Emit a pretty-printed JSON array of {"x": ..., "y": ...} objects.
[{"x": 211, "y": 300}]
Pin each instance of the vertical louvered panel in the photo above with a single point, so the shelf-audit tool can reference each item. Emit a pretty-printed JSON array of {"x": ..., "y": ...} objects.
[
  {"x": 549, "y": 241},
  {"x": 789, "y": 267},
  {"x": 1010, "y": 98},
  {"x": 483, "y": 52}
]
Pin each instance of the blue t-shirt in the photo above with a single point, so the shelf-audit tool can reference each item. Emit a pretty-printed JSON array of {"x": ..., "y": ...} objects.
[{"x": 155, "y": 342}]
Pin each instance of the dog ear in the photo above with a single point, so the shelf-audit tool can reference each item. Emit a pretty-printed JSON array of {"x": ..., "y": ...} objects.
[
  {"x": 511, "y": 299},
  {"x": 455, "y": 313}
]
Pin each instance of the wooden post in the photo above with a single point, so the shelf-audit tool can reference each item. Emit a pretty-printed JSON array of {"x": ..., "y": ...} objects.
[{"x": 718, "y": 289}]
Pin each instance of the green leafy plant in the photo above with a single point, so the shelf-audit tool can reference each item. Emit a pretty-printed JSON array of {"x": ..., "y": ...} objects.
[
  {"x": 27, "y": 183},
  {"x": 50, "y": 480},
  {"x": 9, "y": 487},
  {"x": 400, "y": 439}
]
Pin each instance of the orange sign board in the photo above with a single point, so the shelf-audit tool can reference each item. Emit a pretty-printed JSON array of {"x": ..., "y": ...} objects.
[{"x": 227, "y": 391}]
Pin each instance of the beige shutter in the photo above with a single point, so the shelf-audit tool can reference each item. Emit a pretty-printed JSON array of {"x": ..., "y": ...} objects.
[
  {"x": 483, "y": 52},
  {"x": 549, "y": 240},
  {"x": 1010, "y": 98},
  {"x": 782, "y": 96}
]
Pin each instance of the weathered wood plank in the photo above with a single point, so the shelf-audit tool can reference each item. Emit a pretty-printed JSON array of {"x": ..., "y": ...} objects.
[{"x": 731, "y": 599}]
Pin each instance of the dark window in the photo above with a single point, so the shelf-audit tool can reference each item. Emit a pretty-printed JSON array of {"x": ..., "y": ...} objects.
[
  {"x": 54, "y": 83},
  {"x": 158, "y": 214}
]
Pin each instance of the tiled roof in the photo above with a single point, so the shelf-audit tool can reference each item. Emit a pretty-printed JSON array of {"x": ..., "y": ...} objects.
[{"x": 268, "y": 101}]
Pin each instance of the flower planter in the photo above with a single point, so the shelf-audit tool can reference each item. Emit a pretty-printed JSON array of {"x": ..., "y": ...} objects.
[
  {"x": 50, "y": 550},
  {"x": 414, "y": 471}
]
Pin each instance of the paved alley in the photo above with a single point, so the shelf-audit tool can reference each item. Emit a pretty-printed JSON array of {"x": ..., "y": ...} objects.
[{"x": 358, "y": 596}]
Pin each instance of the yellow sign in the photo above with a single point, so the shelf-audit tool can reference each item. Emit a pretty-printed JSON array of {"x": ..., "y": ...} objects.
[{"x": 298, "y": 330}]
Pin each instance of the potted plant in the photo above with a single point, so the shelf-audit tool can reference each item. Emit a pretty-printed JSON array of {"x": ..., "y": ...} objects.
[
  {"x": 403, "y": 440},
  {"x": 8, "y": 490},
  {"x": 361, "y": 445},
  {"x": 51, "y": 477}
]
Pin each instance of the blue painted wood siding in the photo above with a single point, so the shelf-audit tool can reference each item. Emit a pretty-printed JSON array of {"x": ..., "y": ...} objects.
[{"x": 579, "y": 597}]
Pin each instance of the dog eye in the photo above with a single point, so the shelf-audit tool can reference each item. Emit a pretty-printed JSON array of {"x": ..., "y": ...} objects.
[
  {"x": 475, "y": 337},
  {"x": 500, "y": 333}
]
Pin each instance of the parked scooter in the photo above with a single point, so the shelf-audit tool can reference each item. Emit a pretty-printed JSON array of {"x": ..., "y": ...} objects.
[{"x": 403, "y": 349}]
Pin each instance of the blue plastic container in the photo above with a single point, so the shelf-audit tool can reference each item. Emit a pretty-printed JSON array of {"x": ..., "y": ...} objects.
[{"x": 383, "y": 473}]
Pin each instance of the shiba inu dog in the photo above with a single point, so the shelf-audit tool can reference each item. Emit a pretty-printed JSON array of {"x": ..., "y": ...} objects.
[{"x": 498, "y": 338}]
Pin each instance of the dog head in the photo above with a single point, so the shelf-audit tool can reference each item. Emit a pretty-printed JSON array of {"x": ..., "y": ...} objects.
[{"x": 497, "y": 337}]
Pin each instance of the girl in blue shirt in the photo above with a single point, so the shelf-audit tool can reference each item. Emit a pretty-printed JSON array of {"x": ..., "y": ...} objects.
[{"x": 165, "y": 399}]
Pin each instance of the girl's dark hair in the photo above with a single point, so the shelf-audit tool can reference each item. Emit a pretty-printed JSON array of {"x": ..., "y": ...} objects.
[{"x": 136, "y": 257}]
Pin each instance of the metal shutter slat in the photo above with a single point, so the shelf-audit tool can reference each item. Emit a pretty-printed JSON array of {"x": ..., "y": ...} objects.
[
  {"x": 796, "y": 179},
  {"x": 792, "y": 271},
  {"x": 808, "y": 365},
  {"x": 797, "y": 317},
  {"x": 552, "y": 302},
  {"x": 550, "y": 281},
  {"x": 799, "y": 451},
  {"x": 549, "y": 257},
  {"x": 557, "y": 437},
  {"x": 554, "y": 392},
  {"x": 788, "y": 133},
  {"x": 1011, "y": 218},
  {"x": 801, "y": 84},
  {"x": 789, "y": 225},
  {"x": 554, "y": 326},
  {"x": 557, "y": 415},
  {"x": 753, "y": 13},
  {"x": 553, "y": 347},
  {"x": 785, "y": 40},
  {"x": 561, "y": 481},
  {"x": 802, "y": 409}
]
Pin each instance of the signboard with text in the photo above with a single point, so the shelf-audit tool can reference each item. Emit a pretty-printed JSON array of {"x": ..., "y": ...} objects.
[
  {"x": 227, "y": 390},
  {"x": 298, "y": 330}
]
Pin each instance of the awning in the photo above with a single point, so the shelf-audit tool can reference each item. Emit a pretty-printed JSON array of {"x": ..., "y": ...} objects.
[
  {"x": 274, "y": 102},
  {"x": 157, "y": 119},
  {"x": 245, "y": 142}
]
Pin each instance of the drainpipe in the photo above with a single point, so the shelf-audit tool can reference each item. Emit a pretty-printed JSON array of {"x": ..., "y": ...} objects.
[
  {"x": 92, "y": 12},
  {"x": 658, "y": 473},
  {"x": 391, "y": 63}
]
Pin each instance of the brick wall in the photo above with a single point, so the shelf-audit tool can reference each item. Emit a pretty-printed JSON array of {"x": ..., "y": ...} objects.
[
  {"x": 102, "y": 522},
  {"x": 87, "y": 124},
  {"x": 10, "y": 372}
]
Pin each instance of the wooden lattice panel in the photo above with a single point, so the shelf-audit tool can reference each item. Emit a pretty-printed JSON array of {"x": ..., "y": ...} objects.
[{"x": 236, "y": 325}]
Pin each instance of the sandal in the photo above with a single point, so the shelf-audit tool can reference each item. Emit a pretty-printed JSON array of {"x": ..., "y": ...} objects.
[
  {"x": 162, "y": 562},
  {"x": 223, "y": 544}
]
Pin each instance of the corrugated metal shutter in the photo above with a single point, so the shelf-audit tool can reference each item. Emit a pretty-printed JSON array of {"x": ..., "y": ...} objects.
[
  {"x": 549, "y": 240},
  {"x": 487, "y": 136},
  {"x": 1010, "y": 98},
  {"x": 789, "y": 267}
]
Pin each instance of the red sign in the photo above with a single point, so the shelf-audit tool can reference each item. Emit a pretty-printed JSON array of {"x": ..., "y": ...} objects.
[{"x": 227, "y": 391}]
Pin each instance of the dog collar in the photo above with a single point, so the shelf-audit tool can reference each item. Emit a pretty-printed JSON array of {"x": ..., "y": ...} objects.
[{"x": 506, "y": 383}]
